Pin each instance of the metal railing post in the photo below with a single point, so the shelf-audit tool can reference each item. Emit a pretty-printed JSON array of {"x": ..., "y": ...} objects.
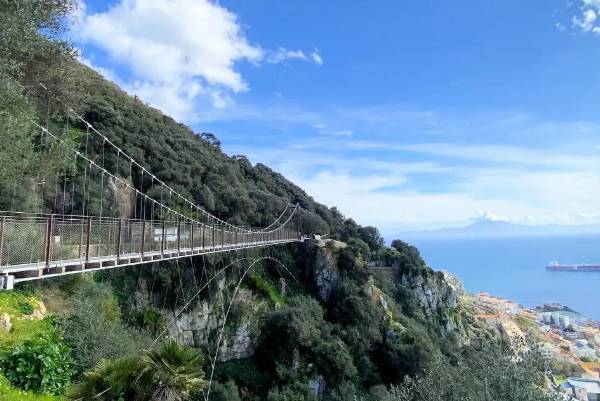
[
  {"x": 163, "y": 239},
  {"x": 192, "y": 236},
  {"x": 119, "y": 235},
  {"x": 87, "y": 239},
  {"x": 2, "y": 223},
  {"x": 178, "y": 235},
  {"x": 48, "y": 250},
  {"x": 143, "y": 236}
]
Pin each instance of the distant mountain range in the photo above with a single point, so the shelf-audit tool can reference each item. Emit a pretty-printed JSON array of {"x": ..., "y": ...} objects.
[{"x": 487, "y": 228}]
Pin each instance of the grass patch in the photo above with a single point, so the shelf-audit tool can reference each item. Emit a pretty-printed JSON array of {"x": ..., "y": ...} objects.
[
  {"x": 24, "y": 330},
  {"x": 265, "y": 287},
  {"x": 9, "y": 393},
  {"x": 560, "y": 379},
  {"x": 18, "y": 306},
  {"x": 16, "y": 303}
]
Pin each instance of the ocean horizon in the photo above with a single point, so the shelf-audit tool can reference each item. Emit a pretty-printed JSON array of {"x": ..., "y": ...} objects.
[{"x": 514, "y": 268}]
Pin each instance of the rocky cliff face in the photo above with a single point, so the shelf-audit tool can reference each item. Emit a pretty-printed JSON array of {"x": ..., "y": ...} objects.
[
  {"x": 434, "y": 295},
  {"x": 431, "y": 292},
  {"x": 201, "y": 323},
  {"x": 322, "y": 265}
]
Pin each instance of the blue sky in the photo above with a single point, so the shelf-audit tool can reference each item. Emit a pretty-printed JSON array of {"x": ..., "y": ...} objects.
[{"x": 406, "y": 115}]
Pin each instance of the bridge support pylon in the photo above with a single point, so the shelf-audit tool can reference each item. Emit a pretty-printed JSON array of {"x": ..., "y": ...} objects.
[{"x": 7, "y": 282}]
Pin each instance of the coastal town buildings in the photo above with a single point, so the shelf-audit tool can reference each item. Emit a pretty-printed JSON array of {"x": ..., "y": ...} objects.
[
  {"x": 570, "y": 340},
  {"x": 582, "y": 389}
]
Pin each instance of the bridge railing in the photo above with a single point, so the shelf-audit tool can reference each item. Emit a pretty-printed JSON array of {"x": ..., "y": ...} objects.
[{"x": 38, "y": 240}]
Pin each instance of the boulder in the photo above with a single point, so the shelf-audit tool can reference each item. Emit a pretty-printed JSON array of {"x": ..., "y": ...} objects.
[{"x": 5, "y": 323}]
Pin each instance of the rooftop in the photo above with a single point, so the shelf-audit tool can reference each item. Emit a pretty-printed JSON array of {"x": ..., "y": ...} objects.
[{"x": 589, "y": 385}]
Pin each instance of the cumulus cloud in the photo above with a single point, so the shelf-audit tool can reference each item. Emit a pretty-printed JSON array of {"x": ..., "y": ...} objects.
[
  {"x": 180, "y": 54},
  {"x": 588, "y": 18}
]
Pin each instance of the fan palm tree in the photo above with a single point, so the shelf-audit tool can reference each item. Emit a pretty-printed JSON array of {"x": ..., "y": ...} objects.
[
  {"x": 171, "y": 372},
  {"x": 109, "y": 381}
]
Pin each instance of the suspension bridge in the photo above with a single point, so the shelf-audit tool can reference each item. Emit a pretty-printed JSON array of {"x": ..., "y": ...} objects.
[{"x": 106, "y": 215}]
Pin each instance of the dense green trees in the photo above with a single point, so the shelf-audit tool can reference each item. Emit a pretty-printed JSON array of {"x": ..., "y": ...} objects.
[
  {"x": 295, "y": 341},
  {"x": 30, "y": 54},
  {"x": 480, "y": 372}
]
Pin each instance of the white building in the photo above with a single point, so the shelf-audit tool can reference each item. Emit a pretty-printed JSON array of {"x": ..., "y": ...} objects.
[{"x": 564, "y": 321}]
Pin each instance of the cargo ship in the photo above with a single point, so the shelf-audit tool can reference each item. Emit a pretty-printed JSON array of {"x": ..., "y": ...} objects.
[{"x": 555, "y": 266}]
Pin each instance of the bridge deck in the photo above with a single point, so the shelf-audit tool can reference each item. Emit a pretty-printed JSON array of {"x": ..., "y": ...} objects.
[
  {"x": 36, "y": 246},
  {"x": 33, "y": 271}
]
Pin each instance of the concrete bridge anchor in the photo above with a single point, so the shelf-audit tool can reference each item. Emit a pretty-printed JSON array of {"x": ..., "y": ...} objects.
[{"x": 7, "y": 282}]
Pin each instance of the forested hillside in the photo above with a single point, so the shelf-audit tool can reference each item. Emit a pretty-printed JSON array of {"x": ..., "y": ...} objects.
[
  {"x": 193, "y": 163},
  {"x": 325, "y": 322}
]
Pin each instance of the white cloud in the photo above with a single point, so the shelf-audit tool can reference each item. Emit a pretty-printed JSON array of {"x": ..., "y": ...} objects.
[
  {"x": 182, "y": 54},
  {"x": 587, "y": 20},
  {"x": 500, "y": 154},
  {"x": 316, "y": 56},
  {"x": 282, "y": 54},
  {"x": 445, "y": 186}
]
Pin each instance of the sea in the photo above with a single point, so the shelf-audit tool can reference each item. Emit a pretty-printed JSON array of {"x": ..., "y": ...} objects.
[{"x": 514, "y": 268}]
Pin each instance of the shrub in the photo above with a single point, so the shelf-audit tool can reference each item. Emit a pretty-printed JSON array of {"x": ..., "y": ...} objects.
[
  {"x": 25, "y": 307},
  {"x": 294, "y": 392},
  {"x": 245, "y": 373},
  {"x": 222, "y": 392},
  {"x": 95, "y": 330},
  {"x": 9, "y": 393},
  {"x": 43, "y": 365},
  {"x": 359, "y": 248},
  {"x": 149, "y": 319}
]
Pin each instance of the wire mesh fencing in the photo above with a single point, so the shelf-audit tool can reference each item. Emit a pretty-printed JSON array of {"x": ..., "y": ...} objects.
[{"x": 39, "y": 240}]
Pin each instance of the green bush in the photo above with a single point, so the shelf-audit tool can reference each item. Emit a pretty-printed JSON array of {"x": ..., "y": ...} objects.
[
  {"x": 10, "y": 393},
  {"x": 25, "y": 307},
  {"x": 245, "y": 373},
  {"x": 43, "y": 365},
  {"x": 221, "y": 392},
  {"x": 293, "y": 392},
  {"x": 266, "y": 288},
  {"x": 149, "y": 319}
]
